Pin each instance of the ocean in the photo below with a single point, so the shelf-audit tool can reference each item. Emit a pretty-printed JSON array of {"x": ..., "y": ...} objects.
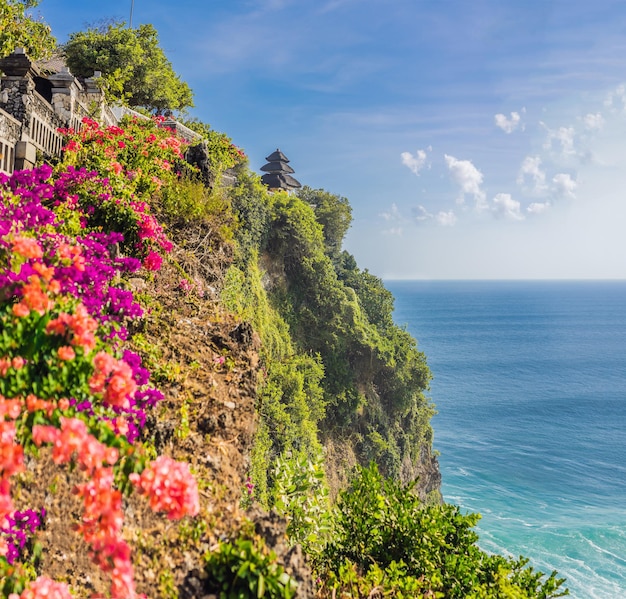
[{"x": 530, "y": 387}]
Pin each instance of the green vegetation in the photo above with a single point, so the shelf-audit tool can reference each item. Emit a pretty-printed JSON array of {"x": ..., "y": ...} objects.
[
  {"x": 134, "y": 68},
  {"x": 334, "y": 367},
  {"x": 19, "y": 28},
  {"x": 301, "y": 496},
  {"x": 333, "y": 212},
  {"x": 384, "y": 537},
  {"x": 246, "y": 568},
  {"x": 374, "y": 378},
  {"x": 337, "y": 367},
  {"x": 222, "y": 153}
]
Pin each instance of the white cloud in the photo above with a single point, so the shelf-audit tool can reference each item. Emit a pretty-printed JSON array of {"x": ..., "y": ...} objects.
[
  {"x": 420, "y": 214},
  {"x": 446, "y": 219},
  {"x": 564, "y": 136},
  {"x": 469, "y": 179},
  {"x": 617, "y": 97},
  {"x": 504, "y": 206},
  {"x": 508, "y": 125},
  {"x": 565, "y": 186},
  {"x": 538, "y": 207},
  {"x": 395, "y": 231},
  {"x": 392, "y": 214},
  {"x": 414, "y": 163},
  {"x": 395, "y": 220},
  {"x": 531, "y": 168},
  {"x": 593, "y": 122}
]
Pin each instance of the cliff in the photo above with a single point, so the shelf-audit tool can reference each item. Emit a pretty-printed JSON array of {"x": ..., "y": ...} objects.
[
  {"x": 160, "y": 312},
  {"x": 203, "y": 395}
]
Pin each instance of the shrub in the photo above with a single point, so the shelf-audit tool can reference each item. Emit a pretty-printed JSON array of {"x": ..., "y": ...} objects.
[
  {"x": 381, "y": 529},
  {"x": 246, "y": 568}
]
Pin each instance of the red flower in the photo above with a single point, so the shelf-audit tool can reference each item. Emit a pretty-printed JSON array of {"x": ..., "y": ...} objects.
[{"x": 152, "y": 261}]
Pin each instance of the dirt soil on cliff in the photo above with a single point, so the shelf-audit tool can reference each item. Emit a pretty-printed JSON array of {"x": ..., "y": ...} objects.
[{"x": 206, "y": 364}]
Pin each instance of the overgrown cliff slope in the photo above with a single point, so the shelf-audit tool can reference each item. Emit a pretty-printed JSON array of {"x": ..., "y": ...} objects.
[{"x": 190, "y": 374}]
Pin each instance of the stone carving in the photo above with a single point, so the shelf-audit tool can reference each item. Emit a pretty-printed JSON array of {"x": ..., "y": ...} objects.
[{"x": 198, "y": 156}]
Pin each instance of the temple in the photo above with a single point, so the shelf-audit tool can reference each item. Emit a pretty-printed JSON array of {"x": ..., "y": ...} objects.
[{"x": 278, "y": 173}]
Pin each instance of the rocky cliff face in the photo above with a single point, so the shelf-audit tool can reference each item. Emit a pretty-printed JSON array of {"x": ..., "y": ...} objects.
[
  {"x": 426, "y": 472},
  {"x": 205, "y": 363}
]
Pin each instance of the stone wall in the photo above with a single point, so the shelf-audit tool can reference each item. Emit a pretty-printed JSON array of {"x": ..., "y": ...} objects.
[
  {"x": 34, "y": 106},
  {"x": 186, "y": 133}
]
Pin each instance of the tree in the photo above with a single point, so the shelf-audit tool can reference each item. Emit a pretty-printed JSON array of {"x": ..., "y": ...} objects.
[
  {"x": 133, "y": 66},
  {"x": 18, "y": 28},
  {"x": 333, "y": 212},
  {"x": 376, "y": 299}
]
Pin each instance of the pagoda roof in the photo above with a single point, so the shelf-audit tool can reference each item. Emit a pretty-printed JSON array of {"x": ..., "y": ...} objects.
[
  {"x": 280, "y": 181},
  {"x": 277, "y": 156},
  {"x": 277, "y": 166}
]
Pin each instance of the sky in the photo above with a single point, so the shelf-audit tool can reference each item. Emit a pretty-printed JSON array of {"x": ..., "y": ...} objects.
[{"x": 474, "y": 140}]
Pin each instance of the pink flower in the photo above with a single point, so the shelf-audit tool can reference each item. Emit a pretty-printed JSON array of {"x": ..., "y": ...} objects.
[
  {"x": 45, "y": 434},
  {"x": 66, "y": 353},
  {"x": 10, "y": 407},
  {"x": 114, "y": 378},
  {"x": 185, "y": 285},
  {"x": 6, "y": 502},
  {"x": 44, "y": 588},
  {"x": 70, "y": 441},
  {"x": 18, "y": 362},
  {"x": 11, "y": 454},
  {"x": 113, "y": 556},
  {"x": 90, "y": 124},
  {"x": 170, "y": 487},
  {"x": 103, "y": 365},
  {"x": 81, "y": 325},
  {"x": 27, "y": 247},
  {"x": 5, "y": 364},
  {"x": 21, "y": 310},
  {"x": 72, "y": 146},
  {"x": 46, "y": 272}
]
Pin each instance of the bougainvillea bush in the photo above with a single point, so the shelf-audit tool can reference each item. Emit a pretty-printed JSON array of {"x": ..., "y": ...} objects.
[
  {"x": 112, "y": 175},
  {"x": 68, "y": 238}
]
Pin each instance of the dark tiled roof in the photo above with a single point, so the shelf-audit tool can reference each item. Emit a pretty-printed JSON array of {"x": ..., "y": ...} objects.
[
  {"x": 52, "y": 65},
  {"x": 280, "y": 181},
  {"x": 277, "y": 167},
  {"x": 277, "y": 156}
]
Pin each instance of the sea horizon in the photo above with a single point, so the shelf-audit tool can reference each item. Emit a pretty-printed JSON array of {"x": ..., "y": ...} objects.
[{"x": 506, "y": 280}]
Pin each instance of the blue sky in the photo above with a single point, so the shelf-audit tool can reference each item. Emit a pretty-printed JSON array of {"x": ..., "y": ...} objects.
[{"x": 481, "y": 139}]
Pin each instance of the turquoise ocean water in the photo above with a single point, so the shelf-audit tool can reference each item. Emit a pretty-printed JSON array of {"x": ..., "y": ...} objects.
[{"x": 530, "y": 387}]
